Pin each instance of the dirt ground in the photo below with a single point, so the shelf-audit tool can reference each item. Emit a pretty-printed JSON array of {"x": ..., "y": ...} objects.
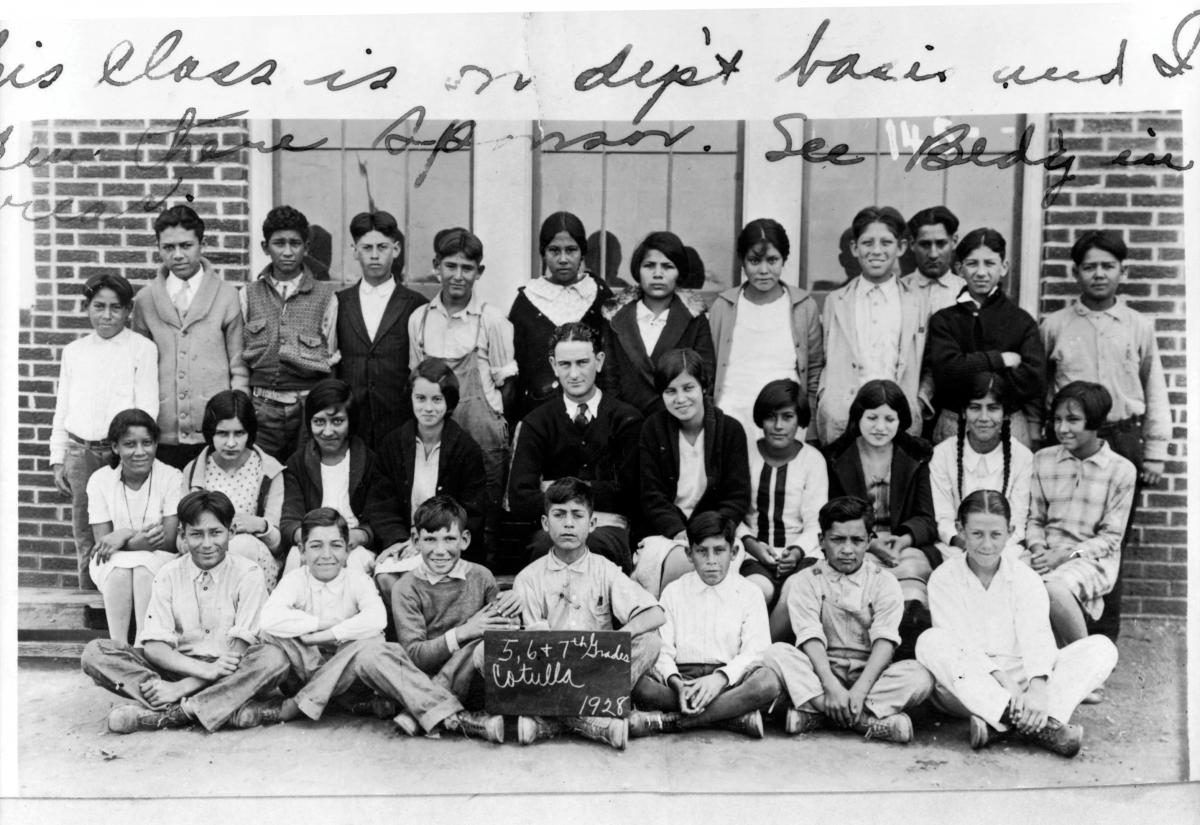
[{"x": 1138, "y": 735}]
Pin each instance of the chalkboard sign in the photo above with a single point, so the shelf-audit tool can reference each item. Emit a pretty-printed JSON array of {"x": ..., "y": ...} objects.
[{"x": 556, "y": 672}]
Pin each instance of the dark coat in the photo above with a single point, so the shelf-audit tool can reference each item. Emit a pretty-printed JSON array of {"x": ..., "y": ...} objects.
[
  {"x": 377, "y": 370},
  {"x": 725, "y": 462},
  {"x": 548, "y": 445},
  {"x": 910, "y": 502},
  {"x": 961, "y": 343},
  {"x": 372, "y": 497},
  {"x": 460, "y": 472},
  {"x": 631, "y": 368}
]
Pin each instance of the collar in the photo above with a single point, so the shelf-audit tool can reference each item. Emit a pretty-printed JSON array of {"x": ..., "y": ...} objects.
[
  {"x": 473, "y": 307},
  {"x": 1100, "y": 458},
  {"x": 722, "y": 589},
  {"x": 553, "y": 562},
  {"x": 194, "y": 573},
  {"x": 120, "y": 338},
  {"x": 890, "y": 287},
  {"x": 336, "y": 584},
  {"x": 973, "y": 461},
  {"x": 585, "y": 287},
  {"x": 593, "y": 406},
  {"x": 175, "y": 283},
  {"x": 858, "y": 578},
  {"x": 436, "y": 447},
  {"x": 384, "y": 290},
  {"x": 1117, "y": 310},
  {"x": 1004, "y": 572},
  {"x": 965, "y": 297},
  {"x": 645, "y": 316},
  {"x": 458, "y": 571}
]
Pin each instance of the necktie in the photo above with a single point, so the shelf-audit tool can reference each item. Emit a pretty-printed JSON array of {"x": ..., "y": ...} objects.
[
  {"x": 581, "y": 416},
  {"x": 181, "y": 301}
]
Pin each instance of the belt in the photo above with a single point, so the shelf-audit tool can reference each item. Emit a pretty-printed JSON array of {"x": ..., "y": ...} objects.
[
  {"x": 97, "y": 446},
  {"x": 278, "y": 396}
]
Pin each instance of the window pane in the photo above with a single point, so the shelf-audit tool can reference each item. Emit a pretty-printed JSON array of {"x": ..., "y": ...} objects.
[{"x": 703, "y": 212}]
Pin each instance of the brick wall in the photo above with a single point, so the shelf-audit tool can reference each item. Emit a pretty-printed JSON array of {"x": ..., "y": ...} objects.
[
  {"x": 1146, "y": 204},
  {"x": 109, "y": 183}
]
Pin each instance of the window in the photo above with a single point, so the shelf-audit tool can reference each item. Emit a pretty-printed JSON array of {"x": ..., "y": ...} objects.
[
  {"x": 691, "y": 187},
  {"x": 329, "y": 185},
  {"x": 833, "y": 194}
]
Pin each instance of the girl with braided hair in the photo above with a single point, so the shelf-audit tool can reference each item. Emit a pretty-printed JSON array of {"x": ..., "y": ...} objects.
[{"x": 983, "y": 456}]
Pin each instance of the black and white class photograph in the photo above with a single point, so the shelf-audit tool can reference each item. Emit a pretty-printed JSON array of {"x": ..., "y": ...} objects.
[{"x": 420, "y": 453}]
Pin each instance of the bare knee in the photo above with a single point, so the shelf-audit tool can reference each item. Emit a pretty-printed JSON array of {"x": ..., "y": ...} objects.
[{"x": 763, "y": 685}]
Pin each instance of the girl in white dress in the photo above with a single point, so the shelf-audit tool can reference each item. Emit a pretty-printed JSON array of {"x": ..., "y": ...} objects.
[{"x": 131, "y": 508}]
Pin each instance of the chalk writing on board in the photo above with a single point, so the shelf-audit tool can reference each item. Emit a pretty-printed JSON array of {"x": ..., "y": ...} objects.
[{"x": 557, "y": 672}]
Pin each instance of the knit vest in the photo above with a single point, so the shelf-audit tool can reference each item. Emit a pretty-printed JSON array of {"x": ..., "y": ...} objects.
[{"x": 284, "y": 345}]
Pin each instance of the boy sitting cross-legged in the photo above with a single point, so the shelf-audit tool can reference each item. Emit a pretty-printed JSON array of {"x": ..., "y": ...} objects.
[
  {"x": 709, "y": 670},
  {"x": 329, "y": 620},
  {"x": 197, "y": 659},
  {"x": 443, "y": 607},
  {"x": 571, "y": 588},
  {"x": 846, "y": 616}
]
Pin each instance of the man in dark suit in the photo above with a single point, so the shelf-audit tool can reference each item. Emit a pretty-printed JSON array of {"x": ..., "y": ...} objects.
[{"x": 372, "y": 329}]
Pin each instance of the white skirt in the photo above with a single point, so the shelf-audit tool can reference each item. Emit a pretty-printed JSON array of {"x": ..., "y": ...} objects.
[{"x": 152, "y": 560}]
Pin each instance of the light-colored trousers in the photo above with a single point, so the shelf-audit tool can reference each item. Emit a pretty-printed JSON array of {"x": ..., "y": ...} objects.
[
  {"x": 384, "y": 667},
  {"x": 965, "y": 686},
  {"x": 902, "y": 685}
]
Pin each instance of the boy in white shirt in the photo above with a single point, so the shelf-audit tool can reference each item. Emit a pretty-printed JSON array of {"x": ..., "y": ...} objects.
[
  {"x": 991, "y": 648},
  {"x": 101, "y": 374},
  {"x": 329, "y": 620},
  {"x": 709, "y": 670}
]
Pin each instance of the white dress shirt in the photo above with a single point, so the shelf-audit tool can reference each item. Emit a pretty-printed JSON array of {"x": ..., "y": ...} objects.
[
  {"x": 425, "y": 474},
  {"x": 335, "y": 489},
  {"x": 301, "y": 603},
  {"x": 592, "y": 404},
  {"x": 374, "y": 300},
  {"x": 650, "y": 325},
  {"x": 99, "y": 378},
  {"x": 725, "y": 624},
  {"x": 693, "y": 478},
  {"x": 1009, "y": 619},
  {"x": 181, "y": 291},
  {"x": 980, "y": 472}
]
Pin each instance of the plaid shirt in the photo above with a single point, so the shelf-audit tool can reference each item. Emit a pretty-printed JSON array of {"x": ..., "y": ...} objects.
[{"x": 1082, "y": 504}]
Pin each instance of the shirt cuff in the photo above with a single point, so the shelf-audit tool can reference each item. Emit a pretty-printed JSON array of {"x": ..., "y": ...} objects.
[
  {"x": 502, "y": 374},
  {"x": 1154, "y": 451},
  {"x": 452, "y": 640},
  {"x": 242, "y": 633}
]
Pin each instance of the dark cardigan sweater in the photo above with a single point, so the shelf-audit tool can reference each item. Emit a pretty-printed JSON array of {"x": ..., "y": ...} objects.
[
  {"x": 961, "y": 344},
  {"x": 910, "y": 501},
  {"x": 531, "y": 341},
  {"x": 549, "y": 446},
  {"x": 372, "y": 497},
  {"x": 725, "y": 462},
  {"x": 377, "y": 369},
  {"x": 631, "y": 369},
  {"x": 460, "y": 472}
]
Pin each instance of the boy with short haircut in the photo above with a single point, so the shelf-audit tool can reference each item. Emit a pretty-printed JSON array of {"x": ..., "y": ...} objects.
[
  {"x": 709, "y": 670},
  {"x": 443, "y": 607},
  {"x": 1097, "y": 337},
  {"x": 933, "y": 236},
  {"x": 571, "y": 588},
  {"x": 583, "y": 433},
  {"x": 1080, "y": 496},
  {"x": 846, "y": 616},
  {"x": 101, "y": 374},
  {"x": 373, "y": 328},
  {"x": 290, "y": 332},
  {"x": 328, "y": 621},
  {"x": 476, "y": 340},
  {"x": 198, "y": 658},
  {"x": 194, "y": 319}
]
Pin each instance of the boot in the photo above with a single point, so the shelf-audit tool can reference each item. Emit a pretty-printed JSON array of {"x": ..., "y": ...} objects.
[
  {"x": 252, "y": 714},
  {"x": 895, "y": 728},
  {"x": 484, "y": 725},
  {"x": 750, "y": 724},
  {"x": 614, "y": 732},
  {"x": 651, "y": 722},
  {"x": 1065, "y": 740},
  {"x": 803, "y": 721},
  {"x": 532, "y": 728},
  {"x": 128, "y": 718}
]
